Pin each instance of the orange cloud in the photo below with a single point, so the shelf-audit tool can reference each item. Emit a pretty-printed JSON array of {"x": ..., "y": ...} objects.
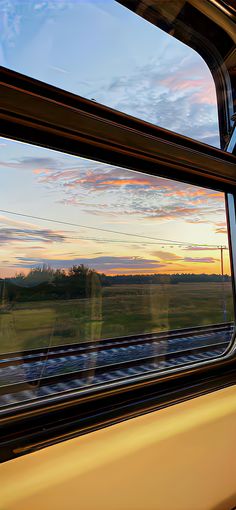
[
  {"x": 221, "y": 228},
  {"x": 206, "y": 96},
  {"x": 165, "y": 255},
  {"x": 204, "y": 92},
  {"x": 177, "y": 82},
  {"x": 41, "y": 171}
]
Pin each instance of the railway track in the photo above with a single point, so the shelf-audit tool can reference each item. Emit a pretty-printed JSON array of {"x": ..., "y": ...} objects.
[{"x": 41, "y": 372}]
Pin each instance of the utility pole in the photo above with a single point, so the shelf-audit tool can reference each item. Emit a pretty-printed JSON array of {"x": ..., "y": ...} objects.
[{"x": 222, "y": 248}]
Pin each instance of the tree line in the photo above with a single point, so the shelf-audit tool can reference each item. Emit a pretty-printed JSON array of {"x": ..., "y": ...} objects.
[
  {"x": 136, "y": 279},
  {"x": 79, "y": 281}
]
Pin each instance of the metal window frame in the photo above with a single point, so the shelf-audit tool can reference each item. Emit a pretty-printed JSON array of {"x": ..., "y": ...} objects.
[
  {"x": 34, "y": 112},
  {"x": 230, "y": 199},
  {"x": 43, "y": 115},
  {"x": 208, "y": 27}
]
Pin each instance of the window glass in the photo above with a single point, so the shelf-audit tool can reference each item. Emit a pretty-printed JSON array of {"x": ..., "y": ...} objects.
[
  {"x": 105, "y": 273},
  {"x": 100, "y": 50}
]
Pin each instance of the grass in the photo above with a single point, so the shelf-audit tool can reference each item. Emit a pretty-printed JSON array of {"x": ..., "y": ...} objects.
[{"x": 119, "y": 311}]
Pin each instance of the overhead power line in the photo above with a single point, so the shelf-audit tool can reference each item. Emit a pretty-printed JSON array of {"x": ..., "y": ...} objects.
[{"x": 110, "y": 231}]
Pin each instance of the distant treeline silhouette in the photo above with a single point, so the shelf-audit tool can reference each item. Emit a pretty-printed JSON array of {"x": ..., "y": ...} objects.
[
  {"x": 42, "y": 283},
  {"x": 136, "y": 279}
]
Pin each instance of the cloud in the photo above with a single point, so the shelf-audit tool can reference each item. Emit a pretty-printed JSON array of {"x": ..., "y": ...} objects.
[
  {"x": 44, "y": 162},
  {"x": 14, "y": 223},
  {"x": 109, "y": 264},
  {"x": 201, "y": 87},
  {"x": 165, "y": 255},
  {"x": 173, "y": 211},
  {"x": 205, "y": 260},
  {"x": 200, "y": 248},
  {"x": 87, "y": 186},
  {"x": 32, "y": 163},
  {"x": 104, "y": 264},
  {"x": 179, "y": 96},
  {"x": 221, "y": 228},
  {"x": 99, "y": 178},
  {"x": 8, "y": 235},
  {"x": 168, "y": 256},
  {"x": 37, "y": 247}
]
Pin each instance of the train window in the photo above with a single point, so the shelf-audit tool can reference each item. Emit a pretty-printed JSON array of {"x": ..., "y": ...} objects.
[
  {"x": 102, "y": 51},
  {"x": 106, "y": 273}
]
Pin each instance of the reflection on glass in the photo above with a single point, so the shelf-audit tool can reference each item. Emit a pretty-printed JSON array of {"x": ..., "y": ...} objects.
[
  {"x": 77, "y": 45},
  {"x": 91, "y": 253}
]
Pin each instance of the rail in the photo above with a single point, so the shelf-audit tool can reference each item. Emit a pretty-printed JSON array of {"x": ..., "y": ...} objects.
[{"x": 42, "y": 372}]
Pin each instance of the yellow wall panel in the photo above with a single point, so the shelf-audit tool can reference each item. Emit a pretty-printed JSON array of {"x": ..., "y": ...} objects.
[{"x": 179, "y": 458}]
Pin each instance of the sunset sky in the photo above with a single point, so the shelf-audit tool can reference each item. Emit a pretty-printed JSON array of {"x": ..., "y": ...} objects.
[
  {"x": 180, "y": 223},
  {"x": 100, "y": 50}
]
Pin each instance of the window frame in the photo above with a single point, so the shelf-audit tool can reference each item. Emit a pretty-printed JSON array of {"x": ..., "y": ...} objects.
[
  {"x": 203, "y": 28},
  {"x": 40, "y": 114}
]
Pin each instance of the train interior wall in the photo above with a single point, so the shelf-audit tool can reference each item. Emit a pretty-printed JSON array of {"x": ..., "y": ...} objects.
[{"x": 180, "y": 457}]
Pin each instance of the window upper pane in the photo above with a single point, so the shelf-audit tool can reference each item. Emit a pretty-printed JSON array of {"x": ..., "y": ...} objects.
[
  {"x": 105, "y": 273},
  {"x": 100, "y": 50}
]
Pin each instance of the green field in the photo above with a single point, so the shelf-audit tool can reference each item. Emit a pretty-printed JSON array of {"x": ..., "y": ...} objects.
[{"x": 119, "y": 310}]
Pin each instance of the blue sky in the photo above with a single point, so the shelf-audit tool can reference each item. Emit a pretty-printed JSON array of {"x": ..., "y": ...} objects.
[{"x": 100, "y": 50}]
